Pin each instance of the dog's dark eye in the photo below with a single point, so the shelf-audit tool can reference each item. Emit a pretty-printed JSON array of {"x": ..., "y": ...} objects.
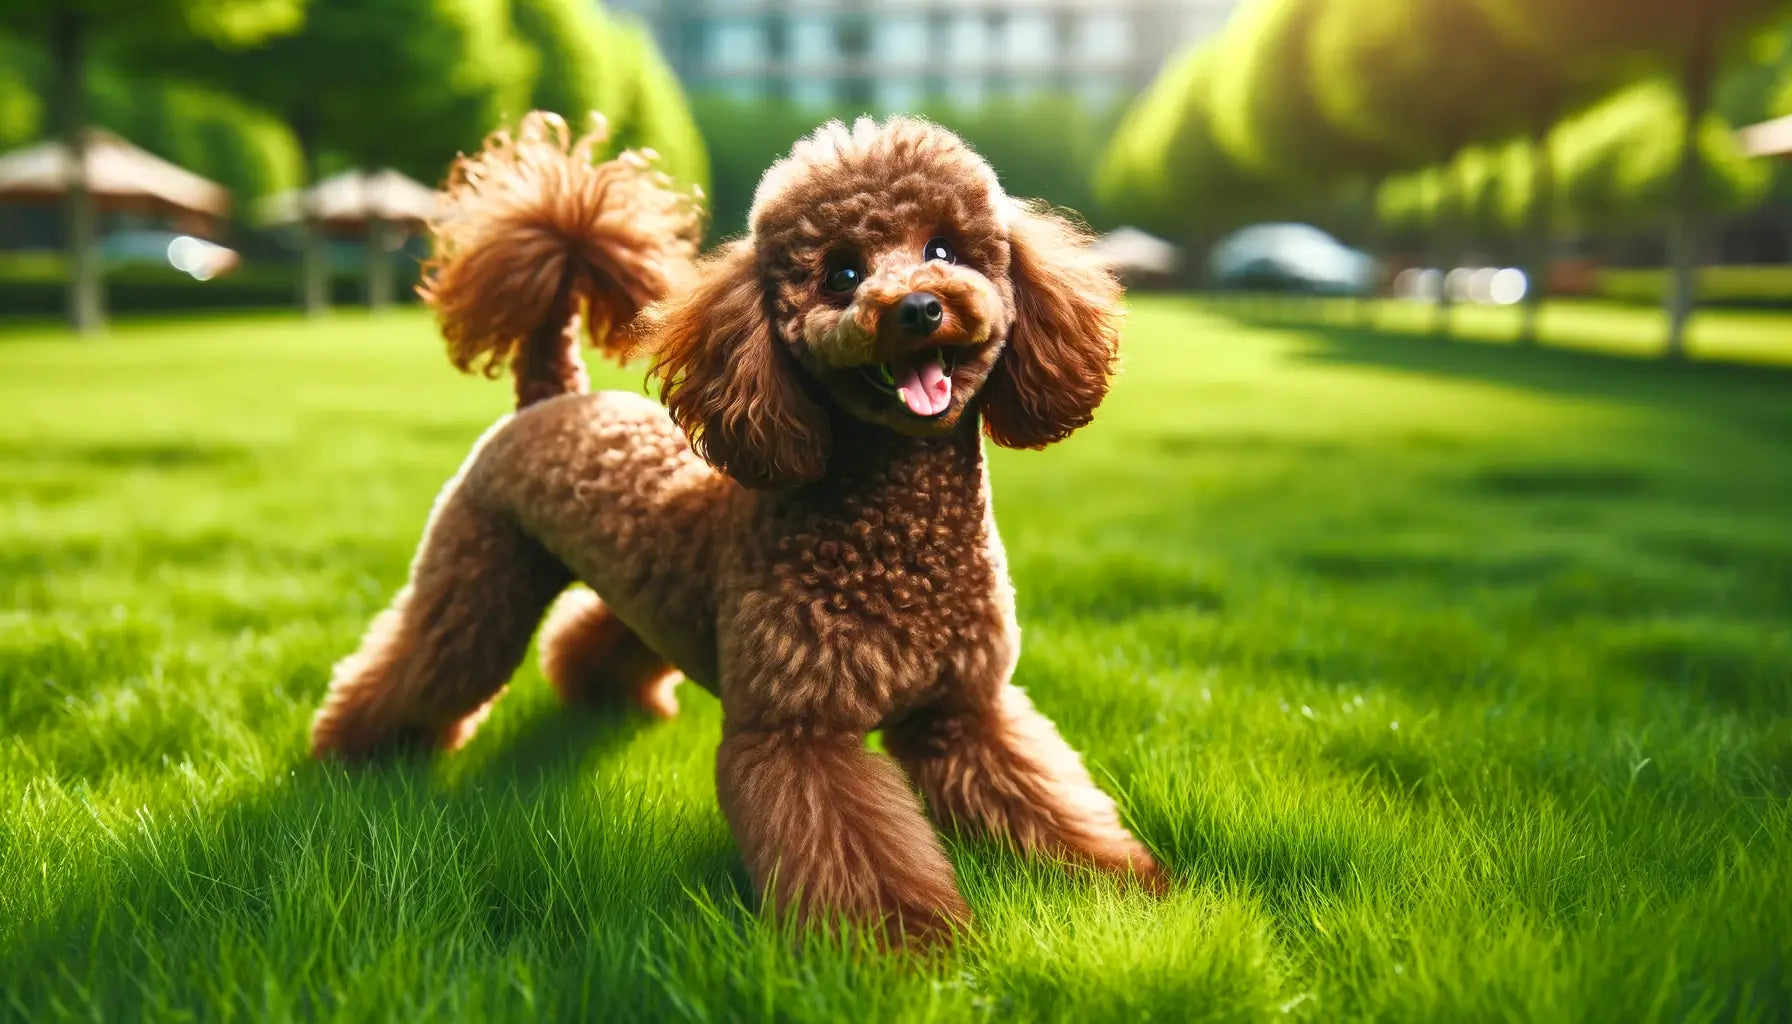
[
  {"x": 843, "y": 277},
  {"x": 939, "y": 249}
]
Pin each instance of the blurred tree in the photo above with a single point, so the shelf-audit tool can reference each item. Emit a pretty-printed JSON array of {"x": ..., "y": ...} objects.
[
  {"x": 21, "y": 114},
  {"x": 1165, "y": 170},
  {"x": 1265, "y": 100},
  {"x": 1758, "y": 87},
  {"x": 244, "y": 149},
  {"x": 1493, "y": 184},
  {"x": 1428, "y": 78},
  {"x": 1689, "y": 37},
  {"x": 1484, "y": 192},
  {"x": 591, "y": 61},
  {"x": 654, "y": 113},
  {"x": 1044, "y": 146},
  {"x": 577, "y": 69},
  {"x": 743, "y": 140},
  {"x": 1621, "y": 161},
  {"x": 1410, "y": 204},
  {"x": 1752, "y": 87},
  {"x": 1132, "y": 178},
  {"x": 398, "y": 83},
  {"x": 70, "y": 31}
]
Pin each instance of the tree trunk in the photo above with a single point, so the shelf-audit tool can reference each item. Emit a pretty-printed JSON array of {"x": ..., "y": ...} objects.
[
  {"x": 1193, "y": 273},
  {"x": 86, "y": 295},
  {"x": 1368, "y": 302},
  {"x": 379, "y": 265},
  {"x": 1540, "y": 229},
  {"x": 314, "y": 270},
  {"x": 1684, "y": 228},
  {"x": 1452, "y": 219}
]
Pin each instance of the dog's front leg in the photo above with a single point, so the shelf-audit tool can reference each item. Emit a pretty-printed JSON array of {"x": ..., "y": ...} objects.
[
  {"x": 831, "y": 830},
  {"x": 993, "y": 765}
]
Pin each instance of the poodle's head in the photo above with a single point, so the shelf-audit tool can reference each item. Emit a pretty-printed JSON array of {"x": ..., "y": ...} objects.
[{"x": 885, "y": 274}]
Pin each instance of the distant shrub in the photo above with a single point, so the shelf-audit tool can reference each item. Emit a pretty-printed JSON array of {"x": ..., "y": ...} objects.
[
  {"x": 1761, "y": 287},
  {"x": 34, "y": 285}
]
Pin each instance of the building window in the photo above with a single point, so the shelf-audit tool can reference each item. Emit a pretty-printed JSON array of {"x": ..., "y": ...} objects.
[
  {"x": 1028, "y": 43},
  {"x": 737, "y": 45},
  {"x": 811, "y": 41},
  {"x": 1106, "y": 39},
  {"x": 901, "y": 44}
]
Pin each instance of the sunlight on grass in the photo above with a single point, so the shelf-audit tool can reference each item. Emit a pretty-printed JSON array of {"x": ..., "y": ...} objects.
[{"x": 1453, "y": 681}]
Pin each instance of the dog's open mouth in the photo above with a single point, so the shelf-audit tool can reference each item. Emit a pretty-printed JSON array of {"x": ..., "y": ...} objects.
[{"x": 921, "y": 382}]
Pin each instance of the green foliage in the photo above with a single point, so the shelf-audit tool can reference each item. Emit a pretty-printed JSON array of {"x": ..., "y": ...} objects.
[
  {"x": 1614, "y": 31},
  {"x": 1166, "y": 171},
  {"x": 656, "y": 114},
  {"x": 1483, "y": 194},
  {"x": 1273, "y": 547},
  {"x": 1414, "y": 204},
  {"x": 1265, "y": 93},
  {"x": 743, "y": 139},
  {"x": 22, "y": 113},
  {"x": 577, "y": 69},
  {"x": 590, "y": 61},
  {"x": 1617, "y": 161},
  {"x": 113, "y": 34},
  {"x": 209, "y": 133},
  {"x": 399, "y": 83},
  {"x": 1133, "y": 181},
  {"x": 1422, "y": 79},
  {"x": 1753, "y": 84},
  {"x": 226, "y": 23},
  {"x": 206, "y": 131},
  {"x": 1043, "y": 147}
]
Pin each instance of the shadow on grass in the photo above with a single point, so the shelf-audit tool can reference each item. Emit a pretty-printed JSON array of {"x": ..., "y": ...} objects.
[{"x": 154, "y": 455}]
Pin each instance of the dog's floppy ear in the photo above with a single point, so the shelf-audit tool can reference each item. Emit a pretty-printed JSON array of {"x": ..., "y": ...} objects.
[
  {"x": 729, "y": 384},
  {"x": 1065, "y": 340}
]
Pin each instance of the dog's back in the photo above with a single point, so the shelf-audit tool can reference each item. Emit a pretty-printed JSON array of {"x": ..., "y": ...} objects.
[{"x": 609, "y": 485}]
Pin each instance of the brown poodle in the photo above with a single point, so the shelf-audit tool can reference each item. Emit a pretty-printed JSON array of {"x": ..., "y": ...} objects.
[{"x": 805, "y": 530}]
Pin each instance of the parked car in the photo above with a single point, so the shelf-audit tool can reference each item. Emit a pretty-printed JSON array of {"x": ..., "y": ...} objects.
[{"x": 1290, "y": 258}]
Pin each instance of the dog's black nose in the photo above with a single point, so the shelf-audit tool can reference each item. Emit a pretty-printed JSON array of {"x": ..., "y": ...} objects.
[{"x": 919, "y": 313}]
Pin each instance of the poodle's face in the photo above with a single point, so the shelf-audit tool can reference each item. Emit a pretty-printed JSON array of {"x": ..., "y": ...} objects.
[
  {"x": 886, "y": 272},
  {"x": 888, "y": 275}
]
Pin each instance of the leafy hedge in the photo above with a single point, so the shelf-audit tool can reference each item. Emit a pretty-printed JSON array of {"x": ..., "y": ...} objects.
[
  {"x": 1760, "y": 287},
  {"x": 38, "y": 288}
]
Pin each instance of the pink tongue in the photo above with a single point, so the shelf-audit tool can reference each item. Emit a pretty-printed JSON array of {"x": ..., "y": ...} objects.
[{"x": 923, "y": 385}]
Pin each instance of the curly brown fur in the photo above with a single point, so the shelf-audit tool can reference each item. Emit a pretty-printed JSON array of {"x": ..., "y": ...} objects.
[
  {"x": 729, "y": 384},
  {"x": 805, "y": 530},
  {"x": 594, "y": 660}
]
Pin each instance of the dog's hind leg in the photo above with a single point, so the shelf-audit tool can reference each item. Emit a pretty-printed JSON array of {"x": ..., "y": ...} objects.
[
  {"x": 430, "y": 665},
  {"x": 594, "y": 660}
]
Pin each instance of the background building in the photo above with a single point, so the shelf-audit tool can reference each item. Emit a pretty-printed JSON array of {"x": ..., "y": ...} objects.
[{"x": 898, "y": 54}]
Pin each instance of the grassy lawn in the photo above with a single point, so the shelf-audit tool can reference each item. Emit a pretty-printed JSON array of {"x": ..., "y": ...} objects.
[{"x": 1453, "y": 682}]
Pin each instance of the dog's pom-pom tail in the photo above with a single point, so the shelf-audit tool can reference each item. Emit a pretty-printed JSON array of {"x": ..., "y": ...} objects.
[{"x": 534, "y": 236}]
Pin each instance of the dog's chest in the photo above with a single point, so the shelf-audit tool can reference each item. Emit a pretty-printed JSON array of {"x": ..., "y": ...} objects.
[
  {"x": 891, "y": 574},
  {"x": 908, "y": 548}
]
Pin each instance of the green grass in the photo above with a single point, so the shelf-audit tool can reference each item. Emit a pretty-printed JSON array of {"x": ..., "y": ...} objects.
[{"x": 1453, "y": 682}]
